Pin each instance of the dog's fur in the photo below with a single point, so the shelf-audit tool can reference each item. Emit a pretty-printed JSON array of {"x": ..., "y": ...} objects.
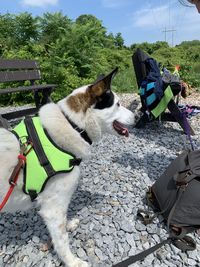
[{"x": 92, "y": 108}]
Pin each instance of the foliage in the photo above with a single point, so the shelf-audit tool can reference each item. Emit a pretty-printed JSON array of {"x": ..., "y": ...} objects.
[
  {"x": 73, "y": 53},
  {"x": 125, "y": 81},
  {"x": 51, "y": 27},
  {"x": 149, "y": 48}
]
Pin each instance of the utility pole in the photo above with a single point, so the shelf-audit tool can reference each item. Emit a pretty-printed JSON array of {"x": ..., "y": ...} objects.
[{"x": 169, "y": 30}]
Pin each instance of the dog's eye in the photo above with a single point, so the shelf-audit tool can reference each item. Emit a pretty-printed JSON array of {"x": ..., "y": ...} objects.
[{"x": 118, "y": 104}]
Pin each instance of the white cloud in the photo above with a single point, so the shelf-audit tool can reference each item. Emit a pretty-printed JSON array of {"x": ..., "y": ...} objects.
[
  {"x": 39, "y": 3},
  {"x": 150, "y": 17},
  {"x": 184, "y": 20},
  {"x": 188, "y": 28}
]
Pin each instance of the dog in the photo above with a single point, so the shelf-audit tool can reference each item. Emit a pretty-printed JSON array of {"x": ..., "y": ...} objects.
[{"x": 75, "y": 122}]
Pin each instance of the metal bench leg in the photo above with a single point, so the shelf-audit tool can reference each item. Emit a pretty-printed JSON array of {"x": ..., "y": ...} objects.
[
  {"x": 46, "y": 97},
  {"x": 4, "y": 123}
]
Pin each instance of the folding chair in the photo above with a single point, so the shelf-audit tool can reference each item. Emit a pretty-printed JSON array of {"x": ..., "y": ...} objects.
[{"x": 174, "y": 114}]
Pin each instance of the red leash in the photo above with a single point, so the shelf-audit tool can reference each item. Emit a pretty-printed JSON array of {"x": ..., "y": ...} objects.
[
  {"x": 13, "y": 179},
  {"x": 3, "y": 203}
]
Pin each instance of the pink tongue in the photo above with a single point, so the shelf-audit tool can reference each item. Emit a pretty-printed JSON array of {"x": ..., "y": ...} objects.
[{"x": 119, "y": 127}]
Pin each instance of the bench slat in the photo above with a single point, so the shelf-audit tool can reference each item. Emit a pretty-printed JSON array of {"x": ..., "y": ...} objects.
[
  {"x": 18, "y": 64},
  {"x": 14, "y": 70},
  {"x": 11, "y": 76},
  {"x": 19, "y": 113},
  {"x": 27, "y": 88}
]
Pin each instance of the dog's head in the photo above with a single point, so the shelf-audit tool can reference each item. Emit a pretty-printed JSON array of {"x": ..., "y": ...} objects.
[{"x": 97, "y": 109}]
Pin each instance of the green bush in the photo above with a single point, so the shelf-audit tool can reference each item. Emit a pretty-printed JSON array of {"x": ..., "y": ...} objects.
[{"x": 74, "y": 53}]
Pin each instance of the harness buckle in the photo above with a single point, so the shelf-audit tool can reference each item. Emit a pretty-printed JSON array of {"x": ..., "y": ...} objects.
[
  {"x": 75, "y": 162},
  {"x": 11, "y": 182}
]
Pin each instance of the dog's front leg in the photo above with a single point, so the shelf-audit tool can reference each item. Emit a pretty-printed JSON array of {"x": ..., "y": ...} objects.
[
  {"x": 53, "y": 202},
  {"x": 56, "y": 223}
]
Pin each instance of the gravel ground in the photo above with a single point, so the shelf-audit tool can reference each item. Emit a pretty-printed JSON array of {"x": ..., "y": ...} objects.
[{"x": 111, "y": 190}]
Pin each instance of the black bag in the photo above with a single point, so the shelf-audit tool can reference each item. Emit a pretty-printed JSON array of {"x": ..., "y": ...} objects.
[
  {"x": 176, "y": 87},
  {"x": 177, "y": 192},
  {"x": 176, "y": 196}
]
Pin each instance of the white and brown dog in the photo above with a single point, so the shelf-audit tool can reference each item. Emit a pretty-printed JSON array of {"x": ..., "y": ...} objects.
[{"x": 96, "y": 110}]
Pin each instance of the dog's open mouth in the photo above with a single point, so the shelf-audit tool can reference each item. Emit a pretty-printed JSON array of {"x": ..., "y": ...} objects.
[{"x": 120, "y": 128}]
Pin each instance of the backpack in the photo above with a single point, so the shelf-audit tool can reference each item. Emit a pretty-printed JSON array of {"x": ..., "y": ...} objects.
[{"x": 176, "y": 196}]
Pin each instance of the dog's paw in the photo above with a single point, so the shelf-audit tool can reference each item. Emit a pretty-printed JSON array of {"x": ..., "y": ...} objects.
[
  {"x": 79, "y": 263},
  {"x": 72, "y": 224}
]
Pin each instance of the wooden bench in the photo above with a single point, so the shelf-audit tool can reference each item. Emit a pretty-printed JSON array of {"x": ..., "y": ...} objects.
[{"x": 15, "y": 70}]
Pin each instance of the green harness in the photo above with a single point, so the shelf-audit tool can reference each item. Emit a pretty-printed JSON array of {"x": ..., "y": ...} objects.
[{"x": 45, "y": 158}]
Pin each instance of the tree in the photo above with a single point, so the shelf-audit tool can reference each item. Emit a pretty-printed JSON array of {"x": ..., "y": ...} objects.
[
  {"x": 82, "y": 42},
  {"x": 119, "y": 41},
  {"x": 87, "y": 18},
  {"x": 25, "y": 29},
  {"x": 7, "y": 23},
  {"x": 189, "y": 43},
  {"x": 146, "y": 47},
  {"x": 52, "y": 26},
  {"x": 159, "y": 44},
  {"x": 103, "y": 39}
]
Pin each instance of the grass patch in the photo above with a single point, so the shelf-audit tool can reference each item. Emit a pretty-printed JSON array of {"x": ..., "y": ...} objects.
[{"x": 125, "y": 81}]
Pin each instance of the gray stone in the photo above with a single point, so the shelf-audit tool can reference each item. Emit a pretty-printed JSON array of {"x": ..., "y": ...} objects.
[
  {"x": 127, "y": 226},
  {"x": 36, "y": 239},
  {"x": 191, "y": 262},
  {"x": 99, "y": 253},
  {"x": 81, "y": 253},
  {"x": 111, "y": 189},
  {"x": 139, "y": 226},
  {"x": 130, "y": 239}
]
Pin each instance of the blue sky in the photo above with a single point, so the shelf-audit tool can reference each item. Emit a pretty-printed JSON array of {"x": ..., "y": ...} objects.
[{"x": 138, "y": 21}]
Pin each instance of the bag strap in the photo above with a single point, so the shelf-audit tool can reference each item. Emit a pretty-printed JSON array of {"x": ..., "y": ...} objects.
[
  {"x": 142, "y": 254},
  {"x": 186, "y": 243},
  {"x": 187, "y": 129},
  {"x": 184, "y": 178},
  {"x": 181, "y": 190},
  {"x": 181, "y": 241}
]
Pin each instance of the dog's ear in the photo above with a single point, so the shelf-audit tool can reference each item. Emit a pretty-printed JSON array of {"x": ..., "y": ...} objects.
[{"x": 103, "y": 84}]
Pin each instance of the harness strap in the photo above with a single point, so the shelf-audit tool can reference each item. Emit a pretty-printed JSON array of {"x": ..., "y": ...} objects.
[
  {"x": 82, "y": 132},
  {"x": 75, "y": 162},
  {"x": 33, "y": 136}
]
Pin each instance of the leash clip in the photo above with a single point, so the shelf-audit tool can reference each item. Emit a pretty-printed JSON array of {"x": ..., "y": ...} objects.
[
  {"x": 11, "y": 182},
  {"x": 22, "y": 157}
]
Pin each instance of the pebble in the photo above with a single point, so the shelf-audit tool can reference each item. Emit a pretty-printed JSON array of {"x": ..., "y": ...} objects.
[
  {"x": 81, "y": 253},
  {"x": 36, "y": 239},
  {"x": 111, "y": 189}
]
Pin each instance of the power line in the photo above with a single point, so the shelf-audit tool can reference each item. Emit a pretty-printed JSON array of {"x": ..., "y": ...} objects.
[
  {"x": 172, "y": 34},
  {"x": 170, "y": 29}
]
